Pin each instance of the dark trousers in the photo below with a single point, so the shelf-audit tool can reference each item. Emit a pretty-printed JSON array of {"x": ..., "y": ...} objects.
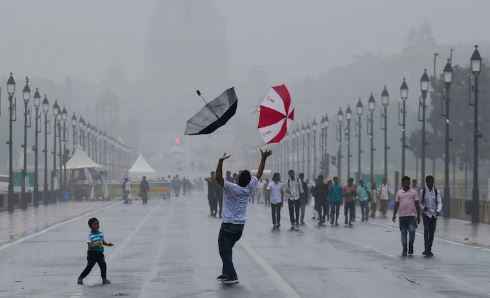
[
  {"x": 349, "y": 209},
  {"x": 373, "y": 208},
  {"x": 293, "y": 206},
  {"x": 364, "y": 210},
  {"x": 323, "y": 210},
  {"x": 229, "y": 234},
  {"x": 144, "y": 197},
  {"x": 276, "y": 214},
  {"x": 408, "y": 225},
  {"x": 302, "y": 209},
  {"x": 94, "y": 257},
  {"x": 429, "y": 230},
  {"x": 334, "y": 213},
  {"x": 383, "y": 207},
  {"x": 213, "y": 205}
]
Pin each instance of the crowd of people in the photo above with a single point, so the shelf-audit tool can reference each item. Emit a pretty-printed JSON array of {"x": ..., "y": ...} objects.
[
  {"x": 168, "y": 187},
  {"x": 329, "y": 198}
]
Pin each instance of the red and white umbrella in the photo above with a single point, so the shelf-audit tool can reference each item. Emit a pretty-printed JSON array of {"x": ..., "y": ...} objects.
[{"x": 276, "y": 114}]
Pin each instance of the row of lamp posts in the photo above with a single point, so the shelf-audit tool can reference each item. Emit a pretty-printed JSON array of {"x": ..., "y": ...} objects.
[
  {"x": 80, "y": 130},
  {"x": 299, "y": 136}
]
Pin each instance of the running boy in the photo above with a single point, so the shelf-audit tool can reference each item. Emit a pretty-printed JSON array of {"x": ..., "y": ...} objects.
[{"x": 95, "y": 252}]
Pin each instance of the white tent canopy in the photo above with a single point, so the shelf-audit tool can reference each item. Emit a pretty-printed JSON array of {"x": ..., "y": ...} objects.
[
  {"x": 141, "y": 167},
  {"x": 80, "y": 160}
]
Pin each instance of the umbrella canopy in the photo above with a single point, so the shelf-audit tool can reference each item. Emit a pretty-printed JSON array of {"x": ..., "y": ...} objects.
[
  {"x": 80, "y": 160},
  {"x": 214, "y": 114},
  {"x": 276, "y": 114},
  {"x": 141, "y": 167}
]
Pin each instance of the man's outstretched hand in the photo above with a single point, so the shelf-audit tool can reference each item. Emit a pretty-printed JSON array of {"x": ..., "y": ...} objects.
[
  {"x": 265, "y": 154},
  {"x": 225, "y": 157}
]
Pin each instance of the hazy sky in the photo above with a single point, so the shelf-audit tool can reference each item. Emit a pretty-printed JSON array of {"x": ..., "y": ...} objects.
[{"x": 287, "y": 38}]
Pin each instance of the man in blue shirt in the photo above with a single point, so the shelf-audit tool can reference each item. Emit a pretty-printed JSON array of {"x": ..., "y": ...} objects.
[{"x": 235, "y": 201}]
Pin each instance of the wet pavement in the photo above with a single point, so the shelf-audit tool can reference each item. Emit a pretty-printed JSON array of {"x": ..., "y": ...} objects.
[{"x": 169, "y": 249}]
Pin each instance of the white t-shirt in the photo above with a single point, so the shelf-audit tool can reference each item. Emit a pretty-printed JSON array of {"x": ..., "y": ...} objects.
[
  {"x": 292, "y": 189},
  {"x": 235, "y": 201},
  {"x": 275, "y": 189}
]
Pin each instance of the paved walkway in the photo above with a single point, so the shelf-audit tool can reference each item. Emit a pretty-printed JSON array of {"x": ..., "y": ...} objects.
[
  {"x": 456, "y": 230},
  {"x": 21, "y": 223},
  {"x": 168, "y": 249}
]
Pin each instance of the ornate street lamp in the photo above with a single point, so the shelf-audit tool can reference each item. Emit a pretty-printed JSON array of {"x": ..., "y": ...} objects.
[
  {"x": 348, "y": 117},
  {"x": 371, "y": 108},
  {"x": 56, "y": 113},
  {"x": 45, "y": 151},
  {"x": 402, "y": 121},
  {"x": 74, "y": 123},
  {"x": 448, "y": 77},
  {"x": 385, "y": 102},
  {"x": 12, "y": 119},
  {"x": 476, "y": 69},
  {"x": 359, "y": 112},
  {"x": 340, "y": 120},
  {"x": 424, "y": 89},
  {"x": 37, "y": 131},
  {"x": 63, "y": 152},
  {"x": 314, "y": 125},
  {"x": 26, "y": 95}
]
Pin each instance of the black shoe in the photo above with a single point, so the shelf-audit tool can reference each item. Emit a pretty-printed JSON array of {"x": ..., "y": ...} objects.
[
  {"x": 410, "y": 250},
  {"x": 80, "y": 282},
  {"x": 429, "y": 254},
  {"x": 404, "y": 253},
  {"x": 222, "y": 277},
  {"x": 230, "y": 281},
  {"x": 424, "y": 253},
  {"x": 106, "y": 282}
]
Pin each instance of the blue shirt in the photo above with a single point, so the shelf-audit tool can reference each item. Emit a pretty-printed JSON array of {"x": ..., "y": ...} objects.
[
  {"x": 96, "y": 241},
  {"x": 362, "y": 193},
  {"x": 335, "y": 194},
  {"x": 235, "y": 201}
]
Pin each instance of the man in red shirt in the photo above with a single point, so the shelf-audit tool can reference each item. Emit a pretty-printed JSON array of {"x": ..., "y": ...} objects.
[
  {"x": 408, "y": 209},
  {"x": 349, "y": 193}
]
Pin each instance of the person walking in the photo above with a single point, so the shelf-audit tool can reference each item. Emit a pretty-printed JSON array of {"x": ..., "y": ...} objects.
[
  {"x": 275, "y": 188},
  {"x": 363, "y": 195},
  {"x": 321, "y": 192},
  {"x": 260, "y": 191},
  {"x": 144, "y": 189},
  {"x": 335, "y": 200},
  {"x": 384, "y": 193},
  {"x": 303, "y": 197},
  {"x": 235, "y": 202},
  {"x": 292, "y": 193},
  {"x": 349, "y": 194},
  {"x": 408, "y": 207},
  {"x": 95, "y": 252},
  {"x": 373, "y": 199},
  {"x": 267, "y": 193},
  {"x": 212, "y": 189},
  {"x": 126, "y": 190},
  {"x": 431, "y": 204}
]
